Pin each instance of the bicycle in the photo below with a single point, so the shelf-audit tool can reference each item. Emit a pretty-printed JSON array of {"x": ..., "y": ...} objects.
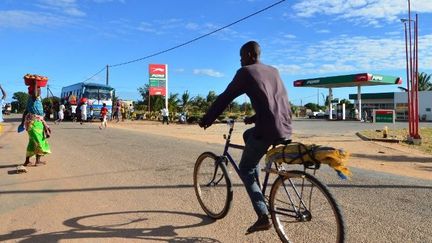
[{"x": 299, "y": 204}]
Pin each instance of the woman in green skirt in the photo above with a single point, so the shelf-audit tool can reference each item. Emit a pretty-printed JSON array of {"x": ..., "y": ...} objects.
[{"x": 37, "y": 128}]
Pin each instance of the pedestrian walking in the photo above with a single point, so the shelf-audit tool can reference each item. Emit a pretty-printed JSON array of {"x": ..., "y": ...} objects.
[
  {"x": 37, "y": 128},
  {"x": 83, "y": 112},
  {"x": 74, "y": 111},
  {"x": 165, "y": 115},
  {"x": 61, "y": 111},
  {"x": 123, "y": 111},
  {"x": 365, "y": 115},
  {"x": 103, "y": 114}
]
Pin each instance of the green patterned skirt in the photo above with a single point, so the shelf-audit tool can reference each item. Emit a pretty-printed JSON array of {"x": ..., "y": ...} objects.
[{"x": 38, "y": 144}]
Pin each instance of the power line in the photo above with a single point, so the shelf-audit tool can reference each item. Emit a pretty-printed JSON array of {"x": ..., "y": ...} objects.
[
  {"x": 95, "y": 74},
  {"x": 198, "y": 38}
]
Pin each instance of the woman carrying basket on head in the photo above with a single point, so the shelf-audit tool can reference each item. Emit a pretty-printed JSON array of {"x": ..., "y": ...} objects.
[{"x": 37, "y": 128}]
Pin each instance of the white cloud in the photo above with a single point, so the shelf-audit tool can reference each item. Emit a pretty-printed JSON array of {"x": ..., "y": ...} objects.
[
  {"x": 108, "y": 1},
  {"x": 371, "y": 12},
  {"x": 22, "y": 19},
  {"x": 146, "y": 27},
  {"x": 289, "y": 36},
  {"x": 166, "y": 26},
  {"x": 351, "y": 54},
  {"x": 69, "y": 7},
  {"x": 323, "y": 31},
  {"x": 208, "y": 72}
]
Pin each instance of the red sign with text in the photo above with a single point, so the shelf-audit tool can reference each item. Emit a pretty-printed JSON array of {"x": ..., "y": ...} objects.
[
  {"x": 158, "y": 79},
  {"x": 157, "y": 71},
  {"x": 157, "y": 91}
]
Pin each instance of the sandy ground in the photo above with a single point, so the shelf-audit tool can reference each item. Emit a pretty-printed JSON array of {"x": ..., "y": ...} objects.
[{"x": 385, "y": 157}]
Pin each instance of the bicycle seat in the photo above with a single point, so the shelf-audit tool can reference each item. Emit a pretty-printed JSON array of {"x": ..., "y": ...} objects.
[{"x": 283, "y": 141}]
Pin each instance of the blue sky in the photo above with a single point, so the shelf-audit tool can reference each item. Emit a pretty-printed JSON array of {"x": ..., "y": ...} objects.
[{"x": 71, "y": 40}]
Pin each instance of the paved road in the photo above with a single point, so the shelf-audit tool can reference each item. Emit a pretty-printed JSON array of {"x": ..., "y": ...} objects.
[
  {"x": 309, "y": 126},
  {"x": 118, "y": 185}
]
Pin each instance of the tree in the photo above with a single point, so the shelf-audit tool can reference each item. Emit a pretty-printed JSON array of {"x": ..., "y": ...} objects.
[
  {"x": 173, "y": 102},
  {"x": 199, "y": 104},
  {"x": 21, "y": 101},
  {"x": 234, "y": 107},
  {"x": 424, "y": 82},
  {"x": 156, "y": 102},
  {"x": 312, "y": 106},
  {"x": 185, "y": 99},
  {"x": 211, "y": 97},
  {"x": 246, "y": 107},
  {"x": 348, "y": 104}
]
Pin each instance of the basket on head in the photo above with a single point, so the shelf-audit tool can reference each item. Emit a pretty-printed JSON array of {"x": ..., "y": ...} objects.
[{"x": 41, "y": 81}]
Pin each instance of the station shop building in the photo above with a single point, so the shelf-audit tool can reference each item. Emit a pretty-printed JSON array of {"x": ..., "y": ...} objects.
[{"x": 397, "y": 101}]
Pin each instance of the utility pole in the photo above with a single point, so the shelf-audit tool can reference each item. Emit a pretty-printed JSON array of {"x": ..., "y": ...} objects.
[{"x": 107, "y": 74}]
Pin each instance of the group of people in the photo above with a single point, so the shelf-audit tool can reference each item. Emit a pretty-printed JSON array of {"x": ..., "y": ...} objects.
[
  {"x": 123, "y": 111},
  {"x": 82, "y": 112},
  {"x": 269, "y": 98}
]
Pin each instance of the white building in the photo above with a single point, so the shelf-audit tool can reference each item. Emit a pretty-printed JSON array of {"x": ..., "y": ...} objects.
[{"x": 397, "y": 101}]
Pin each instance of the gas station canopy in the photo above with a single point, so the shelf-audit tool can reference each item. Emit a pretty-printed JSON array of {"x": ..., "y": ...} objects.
[{"x": 352, "y": 80}]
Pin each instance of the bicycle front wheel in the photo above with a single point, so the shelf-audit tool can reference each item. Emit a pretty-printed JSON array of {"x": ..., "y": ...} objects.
[
  {"x": 212, "y": 185},
  {"x": 304, "y": 210}
]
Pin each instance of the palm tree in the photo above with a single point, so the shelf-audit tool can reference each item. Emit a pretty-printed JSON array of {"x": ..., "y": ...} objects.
[
  {"x": 173, "y": 102},
  {"x": 199, "y": 104},
  {"x": 424, "y": 83},
  {"x": 185, "y": 99},
  {"x": 211, "y": 97}
]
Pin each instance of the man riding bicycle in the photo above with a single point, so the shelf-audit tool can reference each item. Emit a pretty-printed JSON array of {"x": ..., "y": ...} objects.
[{"x": 265, "y": 88}]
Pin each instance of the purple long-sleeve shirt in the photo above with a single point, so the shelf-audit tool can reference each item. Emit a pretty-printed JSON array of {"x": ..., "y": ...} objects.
[{"x": 269, "y": 98}]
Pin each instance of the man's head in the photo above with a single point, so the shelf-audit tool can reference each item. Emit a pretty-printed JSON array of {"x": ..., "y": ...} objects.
[
  {"x": 250, "y": 53},
  {"x": 103, "y": 104}
]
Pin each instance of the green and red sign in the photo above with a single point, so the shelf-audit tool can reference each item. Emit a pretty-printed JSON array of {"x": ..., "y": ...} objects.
[
  {"x": 158, "y": 79},
  {"x": 384, "y": 116}
]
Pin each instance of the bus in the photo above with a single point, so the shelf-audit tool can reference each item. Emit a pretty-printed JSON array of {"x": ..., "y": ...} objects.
[{"x": 96, "y": 95}]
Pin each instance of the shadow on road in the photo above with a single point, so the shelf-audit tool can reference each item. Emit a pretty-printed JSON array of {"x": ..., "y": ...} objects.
[
  {"x": 379, "y": 186},
  {"x": 128, "y": 225},
  {"x": 393, "y": 158},
  {"x": 426, "y": 168},
  {"x": 119, "y": 188},
  {"x": 8, "y": 166},
  {"x": 12, "y": 119}
]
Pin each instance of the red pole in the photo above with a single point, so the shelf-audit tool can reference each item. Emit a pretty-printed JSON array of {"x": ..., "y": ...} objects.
[
  {"x": 417, "y": 135},
  {"x": 408, "y": 79},
  {"x": 414, "y": 81},
  {"x": 411, "y": 117}
]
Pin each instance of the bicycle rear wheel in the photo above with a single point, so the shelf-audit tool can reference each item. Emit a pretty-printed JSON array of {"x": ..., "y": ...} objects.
[
  {"x": 212, "y": 185},
  {"x": 304, "y": 210}
]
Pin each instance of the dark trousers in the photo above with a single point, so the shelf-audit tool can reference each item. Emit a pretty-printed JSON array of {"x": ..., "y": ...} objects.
[
  {"x": 254, "y": 150},
  {"x": 165, "y": 119}
]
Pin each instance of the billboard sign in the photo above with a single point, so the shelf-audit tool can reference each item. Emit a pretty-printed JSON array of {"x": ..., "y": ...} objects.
[
  {"x": 158, "y": 78},
  {"x": 384, "y": 116}
]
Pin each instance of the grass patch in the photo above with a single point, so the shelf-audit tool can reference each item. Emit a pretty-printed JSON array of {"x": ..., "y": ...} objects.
[{"x": 401, "y": 135}]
